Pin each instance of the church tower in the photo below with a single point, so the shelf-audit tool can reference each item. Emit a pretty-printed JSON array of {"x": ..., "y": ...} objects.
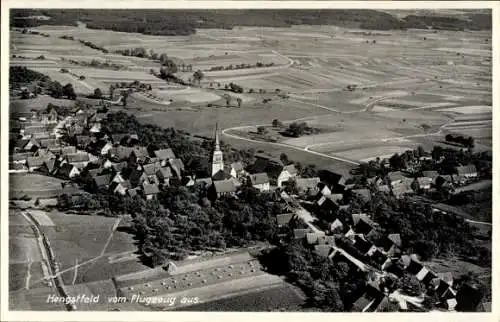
[{"x": 217, "y": 160}]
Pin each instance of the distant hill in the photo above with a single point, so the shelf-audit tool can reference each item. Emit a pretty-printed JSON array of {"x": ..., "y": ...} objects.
[{"x": 185, "y": 22}]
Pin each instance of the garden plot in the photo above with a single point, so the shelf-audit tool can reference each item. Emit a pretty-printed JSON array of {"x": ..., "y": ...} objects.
[
  {"x": 475, "y": 109},
  {"x": 23, "y": 250}
]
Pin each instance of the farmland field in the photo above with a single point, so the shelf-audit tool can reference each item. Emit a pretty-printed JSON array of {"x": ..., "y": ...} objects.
[{"x": 34, "y": 185}]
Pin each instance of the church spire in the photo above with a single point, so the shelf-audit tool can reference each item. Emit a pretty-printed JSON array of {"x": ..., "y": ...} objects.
[
  {"x": 217, "y": 157},
  {"x": 217, "y": 143}
]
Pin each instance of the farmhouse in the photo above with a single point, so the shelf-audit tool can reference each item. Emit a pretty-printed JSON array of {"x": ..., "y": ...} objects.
[
  {"x": 260, "y": 181},
  {"x": 164, "y": 155},
  {"x": 67, "y": 171},
  {"x": 288, "y": 172},
  {"x": 222, "y": 188},
  {"x": 307, "y": 185},
  {"x": 33, "y": 163},
  {"x": 237, "y": 170},
  {"x": 150, "y": 190},
  {"x": 467, "y": 171}
]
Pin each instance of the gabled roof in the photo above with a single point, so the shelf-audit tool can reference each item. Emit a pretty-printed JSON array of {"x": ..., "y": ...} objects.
[
  {"x": 395, "y": 238},
  {"x": 83, "y": 139},
  {"x": 312, "y": 238},
  {"x": 300, "y": 232},
  {"x": 20, "y": 156},
  {"x": 365, "y": 194},
  {"x": 431, "y": 174},
  {"x": 224, "y": 186},
  {"x": 165, "y": 172},
  {"x": 151, "y": 168},
  {"x": 395, "y": 176},
  {"x": 424, "y": 180},
  {"x": 307, "y": 183},
  {"x": 120, "y": 152},
  {"x": 446, "y": 277},
  {"x": 118, "y": 167},
  {"x": 35, "y": 161},
  {"x": 466, "y": 169},
  {"x": 222, "y": 174},
  {"x": 356, "y": 218},
  {"x": 290, "y": 169},
  {"x": 150, "y": 189},
  {"x": 322, "y": 250},
  {"x": 102, "y": 180},
  {"x": 165, "y": 154},
  {"x": 177, "y": 165},
  {"x": 77, "y": 157},
  {"x": 237, "y": 166},
  {"x": 132, "y": 192},
  {"x": 141, "y": 152},
  {"x": 259, "y": 178},
  {"x": 118, "y": 137},
  {"x": 284, "y": 219},
  {"x": 50, "y": 164},
  {"x": 65, "y": 170},
  {"x": 68, "y": 150}
]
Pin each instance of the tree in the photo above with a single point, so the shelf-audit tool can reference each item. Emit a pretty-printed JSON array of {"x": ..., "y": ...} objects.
[
  {"x": 25, "y": 94},
  {"x": 427, "y": 249},
  {"x": 396, "y": 162},
  {"x": 277, "y": 123},
  {"x": 261, "y": 130},
  {"x": 284, "y": 159},
  {"x": 198, "y": 76},
  {"x": 411, "y": 285},
  {"x": 124, "y": 98},
  {"x": 111, "y": 91},
  {"x": 56, "y": 89},
  {"x": 97, "y": 93},
  {"x": 68, "y": 91},
  {"x": 228, "y": 99},
  {"x": 449, "y": 138},
  {"x": 239, "y": 100}
]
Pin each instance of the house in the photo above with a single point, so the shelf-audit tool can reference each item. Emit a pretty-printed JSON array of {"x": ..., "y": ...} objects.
[
  {"x": 118, "y": 178},
  {"x": 430, "y": 174},
  {"x": 362, "y": 224},
  {"x": 96, "y": 128},
  {"x": 67, "y": 171},
  {"x": 20, "y": 157},
  {"x": 330, "y": 202},
  {"x": 260, "y": 181},
  {"x": 102, "y": 181},
  {"x": 139, "y": 154},
  {"x": 323, "y": 250},
  {"x": 334, "y": 180},
  {"x": 26, "y": 145},
  {"x": 120, "y": 153},
  {"x": 468, "y": 171},
  {"x": 364, "y": 194},
  {"x": 104, "y": 150},
  {"x": 324, "y": 190},
  {"x": 48, "y": 116},
  {"x": 132, "y": 139},
  {"x": 396, "y": 177},
  {"x": 133, "y": 192},
  {"x": 45, "y": 152},
  {"x": 307, "y": 186},
  {"x": 313, "y": 237},
  {"x": 120, "y": 188},
  {"x": 288, "y": 172},
  {"x": 137, "y": 177},
  {"x": 79, "y": 159},
  {"x": 70, "y": 188},
  {"x": 164, "y": 174},
  {"x": 34, "y": 163},
  {"x": 118, "y": 138},
  {"x": 49, "y": 166},
  {"x": 336, "y": 226},
  {"x": 284, "y": 219},
  {"x": 223, "y": 174},
  {"x": 222, "y": 188},
  {"x": 41, "y": 135},
  {"x": 237, "y": 170},
  {"x": 377, "y": 181},
  {"x": 49, "y": 143},
  {"x": 82, "y": 141},
  {"x": 67, "y": 150},
  {"x": 32, "y": 129},
  {"x": 177, "y": 167},
  {"x": 370, "y": 301},
  {"x": 424, "y": 183},
  {"x": 362, "y": 244},
  {"x": 300, "y": 233},
  {"x": 118, "y": 167},
  {"x": 164, "y": 155},
  {"x": 401, "y": 189},
  {"x": 389, "y": 244},
  {"x": 17, "y": 167}
]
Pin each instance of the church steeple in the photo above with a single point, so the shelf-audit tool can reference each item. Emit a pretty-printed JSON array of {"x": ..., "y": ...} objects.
[{"x": 217, "y": 158}]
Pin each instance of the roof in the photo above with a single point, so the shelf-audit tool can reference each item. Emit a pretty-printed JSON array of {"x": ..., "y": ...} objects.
[
  {"x": 207, "y": 181},
  {"x": 312, "y": 238},
  {"x": 77, "y": 157},
  {"x": 68, "y": 150},
  {"x": 35, "y": 161},
  {"x": 395, "y": 238},
  {"x": 446, "y": 277},
  {"x": 362, "y": 304},
  {"x": 400, "y": 189},
  {"x": 118, "y": 137},
  {"x": 300, "y": 232},
  {"x": 65, "y": 169},
  {"x": 118, "y": 167},
  {"x": 224, "y": 186},
  {"x": 466, "y": 169},
  {"x": 283, "y": 219},
  {"x": 17, "y": 166},
  {"x": 177, "y": 165},
  {"x": 259, "y": 178},
  {"x": 150, "y": 189},
  {"x": 132, "y": 192},
  {"x": 356, "y": 218},
  {"x": 322, "y": 250},
  {"x": 424, "y": 180},
  {"x": 151, "y": 168},
  {"x": 102, "y": 180},
  {"x": 165, "y": 172},
  {"x": 165, "y": 154},
  {"x": 395, "y": 176},
  {"x": 140, "y": 152},
  {"x": 307, "y": 183},
  {"x": 365, "y": 194},
  {"x": 20, "y": 156},
  {"x": 237, "y": 166},
  {"x": 50, "y": 164},
  {"x": 290, "y": 169},
  {"x": 48, "y": 143},
  {"x": 120, "y": 152},
  {"x": 431, "y": 174}
]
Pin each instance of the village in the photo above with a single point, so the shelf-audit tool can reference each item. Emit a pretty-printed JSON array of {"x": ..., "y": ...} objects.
[{"x": 71, "y": 146}]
